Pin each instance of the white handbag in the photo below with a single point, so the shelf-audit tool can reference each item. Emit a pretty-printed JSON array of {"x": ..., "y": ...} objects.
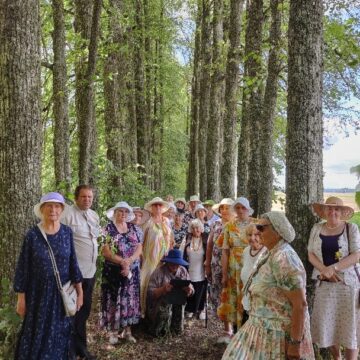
[{"x": 67, "y": 291}]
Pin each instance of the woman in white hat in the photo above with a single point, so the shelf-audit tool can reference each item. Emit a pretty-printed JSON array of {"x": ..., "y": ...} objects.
[
  {"x": 213, "y": 266},
  {"x": 200, "y": 214},
  {"x": 141, "y": 216},
  {"x": 334, "y": 251},
  {"x": 158, "y": 240},
  {"x": 234, "y": 243},
  {"x": 46, "y": 330},
  {"x": 120, "y": 295},
  {"x": 190, "y": 213}
]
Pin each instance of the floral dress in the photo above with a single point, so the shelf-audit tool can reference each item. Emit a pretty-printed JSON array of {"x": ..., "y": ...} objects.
[
  {"x": 263, "y": 335},
  {"x": 235, "y": 240},
  {"x": 46, "y": 331},
  {"x": 157, "y": 242},
  {"x": 120, "y": 300}
]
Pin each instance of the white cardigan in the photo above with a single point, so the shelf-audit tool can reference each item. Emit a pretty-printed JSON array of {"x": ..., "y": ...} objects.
[{"x": 349, "y": 275}]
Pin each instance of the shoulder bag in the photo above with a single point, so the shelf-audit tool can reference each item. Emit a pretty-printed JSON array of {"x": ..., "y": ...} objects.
[{"x": 68, "y": 292}]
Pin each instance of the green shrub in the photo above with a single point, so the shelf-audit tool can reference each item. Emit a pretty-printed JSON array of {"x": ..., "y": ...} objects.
[{"x": 356, "y": 218}]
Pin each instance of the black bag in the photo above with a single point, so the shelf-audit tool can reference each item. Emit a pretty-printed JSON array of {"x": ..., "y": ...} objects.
[{"x": 112, "y": 278}]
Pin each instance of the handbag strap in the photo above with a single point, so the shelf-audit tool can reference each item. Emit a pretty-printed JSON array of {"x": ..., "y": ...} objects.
[
  {"x": 348, "y": 239},
  {"x": 52, "y": 257}
]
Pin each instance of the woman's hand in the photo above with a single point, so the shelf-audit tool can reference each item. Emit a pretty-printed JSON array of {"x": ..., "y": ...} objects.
[
  {"x": 79, "y": 301},
  {"x": 329, "y": 273},
  {"x": 208, "y": 272},
  {"x": 21, "y": 305},
  {"x": 125, "y": 269},
  {"x": 293, "y": 351},
  {"x": 188, "y": 290},
  {"x": 167, "y": 288}
]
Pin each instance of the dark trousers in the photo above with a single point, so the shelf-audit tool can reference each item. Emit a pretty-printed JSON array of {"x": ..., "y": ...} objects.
[
  {"x": 196, "y": 302},
  {"x": 79, "y": 325}
]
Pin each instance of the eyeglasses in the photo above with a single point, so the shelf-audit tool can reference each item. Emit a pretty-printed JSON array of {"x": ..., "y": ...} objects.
[{"x": 261, "y": 227}]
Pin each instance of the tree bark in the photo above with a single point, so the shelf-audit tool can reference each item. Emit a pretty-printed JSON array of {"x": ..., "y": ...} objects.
[
  {"x": 204, "y": 106},
  {"x": 20, "y": 125},
  {"x": 216, "y": 104},
  {"x": 304, "y": 163},
  {"x": 60, "y": 108},
  {"x": 269, "y": 111},
  {"x": 87, "y": 22},
  {"x": 228, "y": 169}
]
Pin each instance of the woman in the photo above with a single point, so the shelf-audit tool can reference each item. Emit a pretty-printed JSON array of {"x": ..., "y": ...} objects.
[
  {"x": 213, "y": 265},
  {"x": 211, "y": 217},
  {"x": 200, "y": 213},
  {"x": 194, "y": 254},
  {"x": 180, "y": 204},
  {"x": 46, "y": 330},
  {"x": 334, "y": 250},
  {"x": 233, "y": 247},
  {"x": 190, "y": 213},
  {"x": 141, "y": 216},
  {"x": 250, "y": 257},
  {"x": 179, "y": 230},
  {"x": 278, "y": 325},
  {"x": 170, "y": 213},
  {"x": 120, "y": 288},
  {"x": 158, "y": 240}
]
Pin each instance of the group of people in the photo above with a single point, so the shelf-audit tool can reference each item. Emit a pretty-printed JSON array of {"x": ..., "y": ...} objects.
[{"x": 161, "y": 262}]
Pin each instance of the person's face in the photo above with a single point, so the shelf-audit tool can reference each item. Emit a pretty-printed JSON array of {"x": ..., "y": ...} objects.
[
  {"x": 51, "y": 211},
  {"x": 209, "y": 210},
  {"x": 254, "y": 239},
  {"x": 170, "y": 214},
  {"x": 170, "y": 198},
  {"x": 200, "y": 214},
  {"x": 85, "y": 199},
  {"x": 268, "y": 236},
  {"x": 138, "y": 217},
  {"x": 121, "y": 215},
  {"x": 241, "y": 211},
  {"x": 225, "y": 211},
  {"x": 333, "y": 213},
  {"x": 156, "y": 209},
  {"x": 196, "y": 231},
  {"x": 172, "y": 267},
  {"x": 178, "y": 218},
  {"x": 192, "y": 204},
  {"x": 180, "y": 205}
]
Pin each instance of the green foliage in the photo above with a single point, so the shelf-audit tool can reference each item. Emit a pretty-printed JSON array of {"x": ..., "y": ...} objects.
[
  {"x": 356, "y": 219},
  {"x": 357, "y": 198},
  {"x": 9, "y": 321}
]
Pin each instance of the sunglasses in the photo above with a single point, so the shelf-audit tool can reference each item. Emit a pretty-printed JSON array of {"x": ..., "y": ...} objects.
[{"x": 261, "y": 227}]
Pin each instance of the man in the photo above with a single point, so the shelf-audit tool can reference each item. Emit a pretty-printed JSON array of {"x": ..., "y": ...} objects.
[
  {"x": 84, "y": 223},
  {"x": 166, "y": 299}
]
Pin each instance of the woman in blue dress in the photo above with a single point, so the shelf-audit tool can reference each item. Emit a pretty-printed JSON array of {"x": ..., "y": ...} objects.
[{"x": 46, "y": 330}]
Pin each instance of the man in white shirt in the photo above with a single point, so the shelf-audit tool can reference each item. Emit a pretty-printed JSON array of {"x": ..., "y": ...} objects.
[{"x": 84, "y": 223}]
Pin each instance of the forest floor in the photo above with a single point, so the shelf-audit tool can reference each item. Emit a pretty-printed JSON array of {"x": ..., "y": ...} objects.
[{"x": 196, "y": 342}]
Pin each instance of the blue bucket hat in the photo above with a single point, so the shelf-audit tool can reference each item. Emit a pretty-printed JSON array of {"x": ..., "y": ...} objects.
[
  {"x": 49, "y": 197},
  {"x": 174, "y": 256}
]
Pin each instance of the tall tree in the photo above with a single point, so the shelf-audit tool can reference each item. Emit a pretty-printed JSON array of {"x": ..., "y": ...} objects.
[
  {"x": 216, "y": 104},
  {"x": 20, "y": 125},
  {"x": 265, "y": 185},
  {"x": 304, "y": 163},
  {"x": 60, "y": 95},
  {"x": 228, "y": 168},
  {"x": 87, "y": 22},
  {"x": 204, "y": 106},
  {"x": 248, "y": 153},
  {"x": 193, "y": 169}
]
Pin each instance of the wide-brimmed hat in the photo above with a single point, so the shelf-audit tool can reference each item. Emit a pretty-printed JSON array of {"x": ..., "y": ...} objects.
[
  {"x": 200, "y": 207},
  {"x": 49, "y": 197},
  {"x": 174, "y": 256},
  {"x": 180, "y": 200},
  {"x": 209, "y": 202},
  {"x": 244, "y": 202},
  {"x": 194, "y": 198},
  {"x": 319, "y": 208},
  {"x": 145, "y": 214},
  {"x": 281, "y": 225},
  {"x": 225, "y": 201},
  {"x": 157, "y": 200},
  {"x": 121, "y": 205}
]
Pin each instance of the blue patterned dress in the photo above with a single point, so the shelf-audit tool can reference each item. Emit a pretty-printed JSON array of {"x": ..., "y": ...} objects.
[
  {"x": 45, "y": 330},
  {"x": 120, "y": 298}
]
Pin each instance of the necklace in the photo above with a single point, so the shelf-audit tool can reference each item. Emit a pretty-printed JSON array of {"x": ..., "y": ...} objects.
[
  {"x": 256, "y": 252},
  {"x": 195, "y": 246},
  {"x": 332, "y": 227}
]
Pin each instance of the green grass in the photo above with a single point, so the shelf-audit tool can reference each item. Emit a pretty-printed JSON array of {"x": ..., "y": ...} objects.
[{"x": 356, "y": 218}]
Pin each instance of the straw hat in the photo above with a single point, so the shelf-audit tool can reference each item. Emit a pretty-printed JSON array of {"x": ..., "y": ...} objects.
[
  {"x": 180, "y": 200},
  {"x": 319, "y": 208},
  {"x": 121, "y": 205},
  {"x": 225, "y": 201},
  {"x": 49, "y": 197},
  {"x": 157, "y": 200}
]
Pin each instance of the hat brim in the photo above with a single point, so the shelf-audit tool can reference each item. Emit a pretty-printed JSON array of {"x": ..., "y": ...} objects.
[
  {"x": 249, "y": 209},
  {"x": 111, "y": 211},
  {"x": 165, "y": 205},
  {"x": 37, "y": 207},
  {"x": 319, "y": 209},
  {"x": 176, "y": 261}
]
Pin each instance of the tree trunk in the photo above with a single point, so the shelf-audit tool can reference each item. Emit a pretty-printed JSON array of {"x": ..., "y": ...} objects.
[
  {"x": 204, "y": 106},
  {"x": 60, "y": 95},
  {"x": 193, "y": 170},
  {"x": 216, "y": 104},
  {"x": 228, "y": 168},
  {"x": 20, "y": 125},
  {"x": 269, "y": 111},
  {"x": 304, "y": 163},
  {"x": 87, "y": 21}
]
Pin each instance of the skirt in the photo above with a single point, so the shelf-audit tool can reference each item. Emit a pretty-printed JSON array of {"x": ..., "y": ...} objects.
[{"x": 335, "y": 319}]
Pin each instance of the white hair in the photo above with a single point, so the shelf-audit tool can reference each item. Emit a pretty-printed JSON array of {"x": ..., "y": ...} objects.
[{"x": 197, "y": 223}]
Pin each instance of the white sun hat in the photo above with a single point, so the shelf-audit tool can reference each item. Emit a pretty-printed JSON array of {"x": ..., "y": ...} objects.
[
  {"x": 244, "y": 202},
  {"x": 225, "y": 201},
  {"x": 121, "y": 205},
  {"x": 49, "y": 197},
  {"x": 157, "y": 200}
]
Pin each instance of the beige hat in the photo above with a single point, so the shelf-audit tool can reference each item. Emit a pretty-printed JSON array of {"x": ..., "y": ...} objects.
[
  {"x": 319, "y": 208},
  {"x": 180, "y": 200},
  {"x": 145, "y": 214},
  {"x": 225, "y": 201},
  {"x": 194, "y": 198},
  {"x": 157, "y": 200}
]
